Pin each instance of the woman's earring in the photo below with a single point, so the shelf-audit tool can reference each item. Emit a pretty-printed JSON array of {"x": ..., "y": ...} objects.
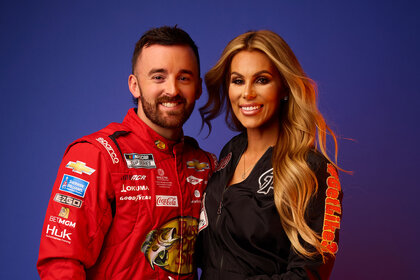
[{"x": 286, "y": 98}]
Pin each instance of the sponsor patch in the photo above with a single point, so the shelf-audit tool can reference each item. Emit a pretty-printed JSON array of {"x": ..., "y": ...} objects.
[
  {"x": 204, "y": 221},
  {"x": 134, "y": 188},
  {"x": 136, "y": 197},
  {"x": 140, "y": 160},
  {"x": 197, "y": 196},
  {"x": 162, "y": 180},
  {"x": 223, "y": 162},
  {"x": 80, "y": 167},
  {"x": 74, "y": 185},
  {"x": 64, "y": 212},
  {"x": 198, "y": 166},
  {"x": 194, "y": 180},
  {"x": 332, "y": 211},
  {"x": 133, "y": 177},
  {"x": 165, "y": 247},
  {"x": 266, "y": 182},
  {"x": 61, "y": 221},
  {"x": 68, "y": 200},
  {"x": 55, "y": 233},
  {"x": 160, "y": 145},
  {"x": 110, "y": 150},
  {"x": 166, "y": 201}
]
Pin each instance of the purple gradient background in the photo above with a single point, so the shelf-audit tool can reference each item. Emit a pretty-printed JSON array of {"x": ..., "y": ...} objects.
[{"x": 63, "y": 74}]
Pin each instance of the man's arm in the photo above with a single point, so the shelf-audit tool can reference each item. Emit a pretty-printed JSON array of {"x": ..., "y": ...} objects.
[{"x": 78, "y": 215}]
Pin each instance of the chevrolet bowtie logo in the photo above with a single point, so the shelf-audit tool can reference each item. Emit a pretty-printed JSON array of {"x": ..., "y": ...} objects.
[
  {"x": 80, "y": 167},
  {"x": 198, "y": 166}
]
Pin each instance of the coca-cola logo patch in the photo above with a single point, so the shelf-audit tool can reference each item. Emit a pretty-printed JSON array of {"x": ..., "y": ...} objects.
[{"x": 166, "y": 201}]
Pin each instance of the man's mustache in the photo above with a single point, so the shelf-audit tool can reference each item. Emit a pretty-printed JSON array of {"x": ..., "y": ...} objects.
[{"x": 177, "y": 98}]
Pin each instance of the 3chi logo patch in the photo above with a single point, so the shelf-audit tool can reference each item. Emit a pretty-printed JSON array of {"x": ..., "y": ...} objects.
[{"x": 162, "y": 246}]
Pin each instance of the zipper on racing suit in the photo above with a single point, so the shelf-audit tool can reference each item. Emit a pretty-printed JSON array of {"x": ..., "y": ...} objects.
[{"x": 219, "y": 213}]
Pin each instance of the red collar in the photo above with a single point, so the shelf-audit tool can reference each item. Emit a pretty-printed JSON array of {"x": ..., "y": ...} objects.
[{"x": 144, "y": 132}]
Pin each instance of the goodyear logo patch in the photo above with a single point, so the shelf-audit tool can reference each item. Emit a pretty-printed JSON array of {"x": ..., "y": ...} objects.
[
  {"x": 74, "y": 185},
  {"x": 140, "y": 160}
]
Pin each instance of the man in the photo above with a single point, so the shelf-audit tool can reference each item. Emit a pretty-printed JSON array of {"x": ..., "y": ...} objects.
[{"x": 126, "y": 201}]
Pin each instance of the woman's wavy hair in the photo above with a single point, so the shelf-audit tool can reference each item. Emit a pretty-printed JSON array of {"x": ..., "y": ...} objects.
[{"x": 302, "y": 128}]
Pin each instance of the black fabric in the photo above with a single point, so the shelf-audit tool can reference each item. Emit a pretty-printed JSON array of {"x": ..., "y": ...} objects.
[{"x": 244, "y": 238}]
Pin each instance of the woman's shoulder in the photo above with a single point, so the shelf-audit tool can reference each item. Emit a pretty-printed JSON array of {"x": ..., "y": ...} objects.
[
  {"x": 235, "y": 144},
  {"x": 317, "y": 161},
  {"x": 325, "y": 171}
]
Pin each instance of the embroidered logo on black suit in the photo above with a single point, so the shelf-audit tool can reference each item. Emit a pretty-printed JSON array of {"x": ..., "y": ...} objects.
[{"x": 266, "y": 182}]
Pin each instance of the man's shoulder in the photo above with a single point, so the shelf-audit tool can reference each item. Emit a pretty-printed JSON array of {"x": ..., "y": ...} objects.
[
  {"x": 102, "y": 140},
  {"x": 193, "y": 144},
  {"x": 116, "y": 129}
]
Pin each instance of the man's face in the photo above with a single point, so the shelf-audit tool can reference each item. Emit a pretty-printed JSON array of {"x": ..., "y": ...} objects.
[{"x": 166, "y": 83}]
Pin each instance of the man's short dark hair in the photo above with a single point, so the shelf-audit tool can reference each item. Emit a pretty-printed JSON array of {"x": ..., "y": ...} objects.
[{"x": 166, "y": 36}]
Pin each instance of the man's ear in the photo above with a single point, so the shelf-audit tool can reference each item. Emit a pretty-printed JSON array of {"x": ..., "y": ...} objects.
[
  {"x": 199, "y": 90},
  {"x": 133, "y": 85}
]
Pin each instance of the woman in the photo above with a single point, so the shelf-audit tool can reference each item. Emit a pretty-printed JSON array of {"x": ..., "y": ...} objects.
[{"x": 272, "y": 209}]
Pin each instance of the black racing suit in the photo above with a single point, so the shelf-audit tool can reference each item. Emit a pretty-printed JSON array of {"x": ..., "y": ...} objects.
[{"x": 241, "y": 236}]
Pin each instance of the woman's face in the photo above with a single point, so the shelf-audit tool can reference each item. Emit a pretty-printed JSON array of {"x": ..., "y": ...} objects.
[{"x": 255, "y": 90}]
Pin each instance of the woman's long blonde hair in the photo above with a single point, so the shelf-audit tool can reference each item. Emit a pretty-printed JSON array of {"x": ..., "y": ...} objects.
[{"x": 302, "y": 128}]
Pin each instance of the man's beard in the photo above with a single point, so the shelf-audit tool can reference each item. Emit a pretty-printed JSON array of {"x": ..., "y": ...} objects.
[{"x": 170, "y": 119}]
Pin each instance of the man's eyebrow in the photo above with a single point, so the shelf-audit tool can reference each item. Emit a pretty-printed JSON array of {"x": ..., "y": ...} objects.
[
  {"x": 157, "y": 70},
  {"x": 186, "y": 71}
]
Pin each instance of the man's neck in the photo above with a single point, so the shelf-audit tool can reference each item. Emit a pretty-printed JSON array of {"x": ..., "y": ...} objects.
[{"x": 169, "y": 133}]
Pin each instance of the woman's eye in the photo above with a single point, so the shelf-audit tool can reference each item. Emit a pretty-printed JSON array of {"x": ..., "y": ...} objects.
[
  {"x": 262, "y": 80},
  {"x": 237, "y": 81}
]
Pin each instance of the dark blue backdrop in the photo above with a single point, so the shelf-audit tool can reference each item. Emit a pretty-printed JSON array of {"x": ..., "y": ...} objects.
[{"x": 63, "y": 74}]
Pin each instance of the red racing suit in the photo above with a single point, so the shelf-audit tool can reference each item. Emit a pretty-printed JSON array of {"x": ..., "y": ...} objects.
[{"x": 125, "y": 205}]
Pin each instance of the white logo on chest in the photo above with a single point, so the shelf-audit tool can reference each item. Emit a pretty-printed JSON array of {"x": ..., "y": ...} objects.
[{"x": 266, "y": 182}]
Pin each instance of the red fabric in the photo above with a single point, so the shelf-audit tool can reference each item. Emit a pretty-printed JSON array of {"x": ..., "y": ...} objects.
[{"x": 99, "y": 220}]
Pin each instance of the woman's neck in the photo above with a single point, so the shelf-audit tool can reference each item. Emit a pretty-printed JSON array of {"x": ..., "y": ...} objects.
[{"x": 260, "y": 140}]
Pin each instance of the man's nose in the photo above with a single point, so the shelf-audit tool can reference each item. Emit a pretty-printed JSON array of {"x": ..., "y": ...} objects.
[{"x": 172, "y": 87}]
